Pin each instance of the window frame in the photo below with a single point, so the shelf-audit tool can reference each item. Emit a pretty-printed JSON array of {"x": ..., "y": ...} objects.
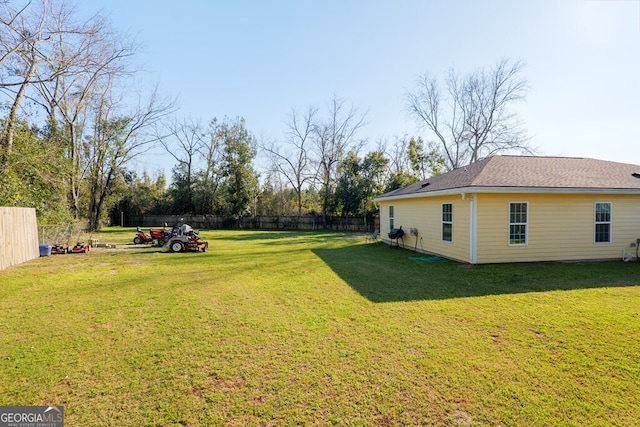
[
  {"x": 524, "y": 224},
  {"x": 391, "y": 217},
  {"x": 596, "y": 223},
  {"x": 448, "y": 222}
]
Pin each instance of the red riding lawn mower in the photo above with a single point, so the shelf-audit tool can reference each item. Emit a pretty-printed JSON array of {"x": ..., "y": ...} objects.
[
  {"x": 184, "y": 239},
  {"x": 160, "y": 236}
]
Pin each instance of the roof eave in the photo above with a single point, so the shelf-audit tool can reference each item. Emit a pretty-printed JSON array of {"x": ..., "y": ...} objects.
[{"x": 538, "y": 190}]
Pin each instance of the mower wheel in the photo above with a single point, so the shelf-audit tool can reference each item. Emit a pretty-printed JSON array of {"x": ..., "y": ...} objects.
[
  {"x": 137, "y": 240},
  {"x": 176, "y": 247}
]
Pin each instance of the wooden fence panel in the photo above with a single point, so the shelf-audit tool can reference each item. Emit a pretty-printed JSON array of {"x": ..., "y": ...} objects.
[
  {"x": 262, "y": 222},
  {"x": 18, "y": 236}
]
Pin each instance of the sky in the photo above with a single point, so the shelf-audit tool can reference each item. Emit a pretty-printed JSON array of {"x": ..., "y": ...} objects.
[{"x": 261, "y": 60}]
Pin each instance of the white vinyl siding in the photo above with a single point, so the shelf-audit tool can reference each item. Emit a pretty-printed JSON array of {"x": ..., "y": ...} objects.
[
  {"x": 425, "y": 214},
  {"x": 562, "y": 226}
]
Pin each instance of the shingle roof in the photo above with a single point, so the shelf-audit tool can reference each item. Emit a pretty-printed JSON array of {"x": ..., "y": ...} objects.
[{"x": 532, "y": 172}]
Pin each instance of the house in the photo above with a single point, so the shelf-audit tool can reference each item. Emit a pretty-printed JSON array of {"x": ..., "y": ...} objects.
[{"x": 519, "y": 209}]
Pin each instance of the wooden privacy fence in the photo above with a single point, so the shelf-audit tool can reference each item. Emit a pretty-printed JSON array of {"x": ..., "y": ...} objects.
[
  {"x": 18, "y": 236},
  {"x": 261, "y": 222}
]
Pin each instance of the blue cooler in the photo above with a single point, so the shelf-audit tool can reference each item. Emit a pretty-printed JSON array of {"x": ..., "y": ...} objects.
[{"x": 45, "y": 250}]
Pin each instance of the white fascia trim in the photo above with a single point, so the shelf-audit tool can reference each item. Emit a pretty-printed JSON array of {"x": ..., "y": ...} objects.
[{"x": 531, "y": 190}]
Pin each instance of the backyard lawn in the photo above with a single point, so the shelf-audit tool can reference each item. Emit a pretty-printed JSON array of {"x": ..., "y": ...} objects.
[{"x": 285, "y": 328}]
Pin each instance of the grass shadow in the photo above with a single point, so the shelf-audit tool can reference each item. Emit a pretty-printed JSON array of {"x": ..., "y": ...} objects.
[
  {"x": 275, "y": 237},
  {"x": 384, "y": 274}
]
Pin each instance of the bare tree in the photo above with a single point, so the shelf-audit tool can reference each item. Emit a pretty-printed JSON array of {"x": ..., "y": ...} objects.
[
  {"x": 211, "y": 151},
  {"x": 11, "y": 38},
  {"x": 117, "y": 138},
  {"x": 333, "y": 139},
  {"x": 22, "y": 34},
  {"x": 184, "y": 140},
  {"x": 293, "y": 159},
  {"x": 476, "y": 119},
  {"x": 399, "y": 161},
  {"x": 71, "y": 81},
  {"x": 73, "y": 70},
  {"x": 61, "y": 64}
]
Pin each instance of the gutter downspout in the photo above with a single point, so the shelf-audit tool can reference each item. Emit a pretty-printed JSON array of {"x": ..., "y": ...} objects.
[{"x": 473, "y": 228}]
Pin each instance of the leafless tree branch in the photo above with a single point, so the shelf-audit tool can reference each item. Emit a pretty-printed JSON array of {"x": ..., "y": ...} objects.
[{"x": 481, "y": 121}]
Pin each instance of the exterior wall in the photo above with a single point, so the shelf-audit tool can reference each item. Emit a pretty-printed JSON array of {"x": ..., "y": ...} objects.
[
  {"x": 560, "y": 227},
  {"x": 425, "y": 214}
]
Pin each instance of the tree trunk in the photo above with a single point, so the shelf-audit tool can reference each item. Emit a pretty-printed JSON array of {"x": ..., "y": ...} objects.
[
  {"x": 299, "y": 194},
  {"x": 10, "y": 130},
  {"x": 74, "y": 178},
  {"x": 98, "y": 195}
]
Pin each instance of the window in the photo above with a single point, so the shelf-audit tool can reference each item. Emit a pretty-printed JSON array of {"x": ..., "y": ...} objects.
[
  {"x": 603, "y": 223},
  {"x": 390, "y": 218},
  {"x": 517, "y": 223},
  {"x": 447, "y": 222}
]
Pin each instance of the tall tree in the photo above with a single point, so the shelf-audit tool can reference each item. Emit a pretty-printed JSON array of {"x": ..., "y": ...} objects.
[
  {"x": 268, "y": 199},
  {"x": 240, "y": 180},
  {"x": 425, "y": 163},
  {"x": 360, "y": 181},
  {"x": 293, "y": 158},
  {"x": 73, "y": 70},
  {"x": 183, "y": 140},
  {"x": 40, "y": 41},
  {"x": 22, "y": 32},
  {"x": 475, "y": 119},
  {"x": 33, "y": 176},
  {"x": 209, "y": 179},
  {"x": 117, "y": 138},
  {"x": 82, "y": 64},
  {"x": 138, "y": 196},
  {"x": 399, "y": 171},
  {"x": 333, "y": 138}
]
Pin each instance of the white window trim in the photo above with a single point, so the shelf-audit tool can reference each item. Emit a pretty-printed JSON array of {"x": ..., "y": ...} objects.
[
  {"x": 392, "y": 214},
  {"x": 610, "y": 222},
  {"x": 526, "y": 224},
  {"x": 443, "y": 222}
]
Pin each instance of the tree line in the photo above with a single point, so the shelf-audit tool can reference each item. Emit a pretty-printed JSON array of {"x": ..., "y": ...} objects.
[{"x": 69, "y": 129}]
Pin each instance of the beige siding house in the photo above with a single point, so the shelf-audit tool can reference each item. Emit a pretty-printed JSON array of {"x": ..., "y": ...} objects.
[{"x": 520, "y": 209}]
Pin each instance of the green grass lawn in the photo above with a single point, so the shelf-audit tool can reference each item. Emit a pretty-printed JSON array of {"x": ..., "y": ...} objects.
[{"x": 275, "y": 328}]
